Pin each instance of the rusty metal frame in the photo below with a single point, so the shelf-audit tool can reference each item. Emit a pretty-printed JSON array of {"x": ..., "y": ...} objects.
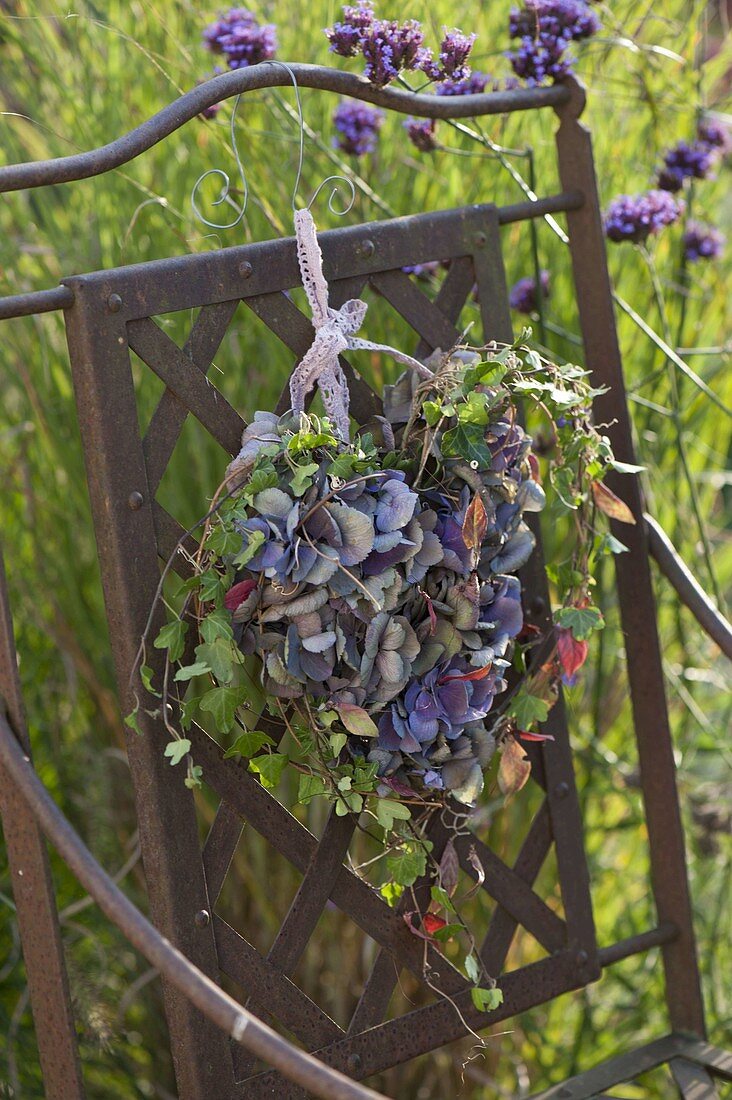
[{"x": 107, "y": 314}]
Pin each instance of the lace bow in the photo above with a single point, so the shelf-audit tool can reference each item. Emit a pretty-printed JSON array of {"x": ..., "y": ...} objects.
[{"x": 334, "y": 332}]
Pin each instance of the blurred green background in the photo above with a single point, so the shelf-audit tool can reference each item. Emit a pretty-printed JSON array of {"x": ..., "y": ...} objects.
[{"x": 73, "y": 77}]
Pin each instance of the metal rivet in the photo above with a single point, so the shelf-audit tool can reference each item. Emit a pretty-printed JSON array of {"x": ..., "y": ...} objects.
[
  {"x": 367, "y": 248},
  {"x": 135, "y": 501},
  {"x": 245, "y": 269},
  {"x": 480, "y": 239},
  {"x": 114, "y": 303},
  {"x": 582, "y": 958},
  {"x": 538, "y": 607},
  {"x": 561, "y": 790},
  {"x": 355, "y": 1061},
  {"x": 202, "y": 918}
]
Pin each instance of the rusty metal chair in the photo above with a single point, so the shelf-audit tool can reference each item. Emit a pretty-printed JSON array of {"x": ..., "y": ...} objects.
[{"x": 110, "y": 313}]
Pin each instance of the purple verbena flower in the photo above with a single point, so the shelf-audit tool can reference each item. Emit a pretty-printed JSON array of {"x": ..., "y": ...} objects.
[
  {"x": 345, "y": 36},
  {"x": 636, "y": 217},
  {"x": 454, "y": 52},
  {"x": 570, "y": 20},
  {"x": 702, "y": 242},
  {"x": 714, "y": 134},
  {"x": 685, "y": 161},
  {"x": 421, "y": 133},
  {"x": 541, "y": 57},
  {"x": 358, "y": 127},
  {"x": 523, "y": 296},
  {"x": 240, "y": 37},
  {"x": 469, "y": 85},
  {"x": 388, "y": 47},
  {"x": 422, "y": 271}
]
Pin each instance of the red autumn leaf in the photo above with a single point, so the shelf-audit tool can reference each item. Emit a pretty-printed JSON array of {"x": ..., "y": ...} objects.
[
  {"x": 571, "y": 652},
  {"x": 414, "y": 929},
  {"x": 477, "y": 674},
  {"x": 514, "y": 768},
  {"x": 238, "y": 593},
  {"x": 534, "y": 467},
  {"x": 475, "y": 524},
  {"x": 610, "y": 504},
  {"x": 525, "y": 735},
  {"x": 432, "y": 923}
]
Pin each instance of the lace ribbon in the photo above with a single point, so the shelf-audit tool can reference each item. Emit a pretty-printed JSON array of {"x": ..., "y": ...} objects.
[{"x": 334, "y": 333}]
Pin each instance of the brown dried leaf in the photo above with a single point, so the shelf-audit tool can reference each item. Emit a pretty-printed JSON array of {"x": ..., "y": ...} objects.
[
  {"x": 449, "y": 869},
  {"x": 514, "y": 768},
  {"x": 475, "y": 524},
  {"x": 610, "y": 504},
  {"x": 480, "y": 872}
]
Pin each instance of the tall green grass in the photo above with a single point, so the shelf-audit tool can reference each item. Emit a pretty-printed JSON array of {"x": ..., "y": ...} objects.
[{"x": 72, "y": 78}]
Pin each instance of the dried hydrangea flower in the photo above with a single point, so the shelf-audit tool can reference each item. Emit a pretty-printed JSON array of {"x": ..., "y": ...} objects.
[
  {"x": 686, "y": 160},
  {"x": 636, "y": 217},
  {"x": 702, "y": 242},
  {"x": 358, "y": 127},
  {"x": 523, "y": 296},
  {"x": 241, "y": 38}
]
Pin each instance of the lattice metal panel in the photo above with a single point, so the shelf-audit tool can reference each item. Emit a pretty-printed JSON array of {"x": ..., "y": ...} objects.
[{"x": 112, "y": 314}]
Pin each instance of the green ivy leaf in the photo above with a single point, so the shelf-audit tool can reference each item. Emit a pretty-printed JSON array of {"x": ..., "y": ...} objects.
[
  {"x": 407, "y": 864},
  {"x": 486, "y": 1000},
  {"x": 193, "y": 779},
  {"x": 474, "y": 410},
  {"x": 625, "y": 467},
  {"x": 302, "y": 479},
  {"x": 391, "y": 892},
  {"x": 188, "y": 672},
  {"x": 248, "y": 744},
  {"x": 219, "y": 657},
  {"x": 222, "y": 542},
  {"x": 356, "y": 720},
  {"x": 172, "y": 637},
  {"x": 441, "y": 897},
  {"x": 221, "y": 704},
  {"x": 582, "y": 621},
  {"x": 187, "y": 709},
  {"x": 132, "y": 723},
  {"x": 263, "y": 476},
  {"x": 527, "y": 709},
  {"x": 211, "y": 588},
  {"x": 255, "y": 539},
  {"x": 146, "y": 675},
  {"x": 432, "y": 412},
  {"x": 216, "y": 625},
  {"x": 348, "y": 802},
  {"x": 309, "y": 787},
  {"x": 388, "y": 810},
  {"x": 177, "y": 749},
  {"x": 466, "y": 441},
  {"x": 447, "y": 932},
  {"x": 337, "y": 741},
  {"x": 472, "y": 969},
  {"x": 269, "y": 767}
]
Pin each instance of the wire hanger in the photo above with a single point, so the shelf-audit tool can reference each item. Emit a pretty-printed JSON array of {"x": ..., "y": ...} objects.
[{"x": 225, "y": 193}]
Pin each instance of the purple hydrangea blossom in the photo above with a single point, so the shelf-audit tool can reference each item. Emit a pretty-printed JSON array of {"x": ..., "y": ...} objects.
[
  {"x": 358, "y": 127},
  {"x": 702, "y": 242},
  {"x": 523, "y": 296},
  {"x": 715, "y": 135},
  {"x": 570, "y": 20},
  {"x": 636, "y": 217},
  {"x": 421, "y": 133},
  {"x": 686, "y": 160},
  {"x": 241, "y": 38}
]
